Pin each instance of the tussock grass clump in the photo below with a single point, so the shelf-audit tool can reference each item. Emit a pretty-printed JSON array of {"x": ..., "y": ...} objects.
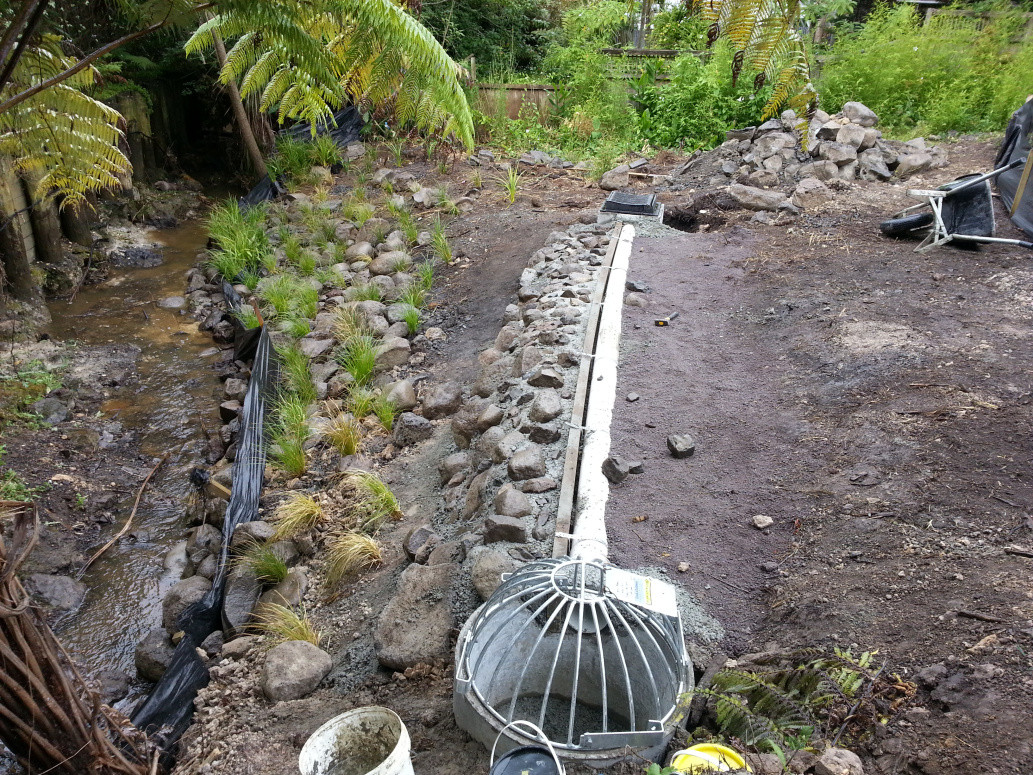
[
  {"x": 294, "y": 371},
  {"x": 344, "y": 433},
  {"x": 289, "y": 431},
  {"x": 325, "y": 152},
  {"x": 349, "y": 553},
  {"x": 240, "y": 235},
  {"x": 360, "y": 401},
  {"x": 348, "y": 323},
  {"x": 425, "y": 276},
  {"x": 414, "y": 295},
  {"x": 364, "y": 292},
  {"x": 358, "y": 357},
  {"x": 297, "y": 513},
  {"x": 511, "y": 184},
  {"x": 411, "y": 316},
  {"x": 264, "y": 563},
  {"x": 288, "y": 295},
  {"x": 287, "y": 624},
  {"x": 386, "y": 411},
  {"x": 439, "y": 242},
  {"x": 407, "y": 225},
  {"x": 358, "y": 212},
  {"x": 247, "y": 316},
  {"x": 374, "y": 502}
]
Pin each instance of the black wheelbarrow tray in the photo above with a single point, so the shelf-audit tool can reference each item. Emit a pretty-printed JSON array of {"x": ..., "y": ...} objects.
[{"x": 961, "y": 210}]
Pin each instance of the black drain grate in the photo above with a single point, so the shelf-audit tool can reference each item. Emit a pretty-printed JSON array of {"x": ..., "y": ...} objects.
[{"x": 631, "y": 204}]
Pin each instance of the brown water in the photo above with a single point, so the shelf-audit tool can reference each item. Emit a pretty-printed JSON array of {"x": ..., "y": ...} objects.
[{"x": 165, "y": 407}]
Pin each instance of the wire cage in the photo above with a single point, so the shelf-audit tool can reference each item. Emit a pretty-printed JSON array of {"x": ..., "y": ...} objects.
[{"x": 591, "y": 654}]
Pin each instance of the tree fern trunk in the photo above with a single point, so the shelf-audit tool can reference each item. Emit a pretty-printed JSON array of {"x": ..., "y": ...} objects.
[
  {"x": 46, "y": 227},
  {"x": 16, "y": 242},
  {"x": 75, "y": 223},
  {"x": 240, "y": 114}
]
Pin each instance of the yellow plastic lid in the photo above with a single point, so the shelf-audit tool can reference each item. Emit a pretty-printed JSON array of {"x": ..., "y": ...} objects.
[{"x": 708, "y": 757}]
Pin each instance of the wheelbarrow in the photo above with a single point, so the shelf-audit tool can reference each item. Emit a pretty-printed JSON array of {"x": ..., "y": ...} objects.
[{"x": 961, "y": 211}]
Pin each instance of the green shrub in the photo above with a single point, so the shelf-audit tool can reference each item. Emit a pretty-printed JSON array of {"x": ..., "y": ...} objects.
[
  {"x": 698, "y": 104},
  {"x": 952, "y": 73},
  {"x": 294, "y": 372}
]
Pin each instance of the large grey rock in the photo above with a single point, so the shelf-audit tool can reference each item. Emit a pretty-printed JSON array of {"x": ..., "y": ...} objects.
[
  {"x": 411, "y": 429},
  {"x": 763, "y": 178},
  {"x": 547, "y": 377},
  {"x": 828, "y": 130},
  {"x": 401, "y": 394},
  {"x": 359, "y": 250},
  {"x": 393, "y": 351},
  {"x": 821, "y": 170},
  {"x": 475, "y": 495},
  {"x": 152, "y": 655},
  {"x": 810, "y": 193},
  {"x": 771, "y": 144},
  {"x": 293, "y": 670},
  {"x": 838, "y": 761},
  {"x": 527, "y": 463},
  {"x": 419, "y": 542},
  {"x": 58, "y": 592},
  {"x": 545, "y": 406},
  {"x": 911, "y": 163},
  {"x": 241, "y": 597},
  {"x": 442, "y": 400},
  {"x": 314, "y": 347},
  {"x": 615, "y": 179},
  {"x": 499, "y": 528},
  {"x": 257, "y": 531},
  {"x": 616, "y": 469},
  {"x": 388, "y": 263},
  {"x": 756, "y": 198},
  {"x": 681, "y": 445},
  {"x": 487, "y": 565},
  {"x": 872, "y": 165},
  {"x": 287, "y": 593},
  {"x": 838, "y": 153},
  {"x": 417, "y": 623},
  {"x": 181, "y": 596},
  {"x": 452, "y": 465},
  {"x": 852, "y": 135},
  {"x": 52, "y": 410},
  {"x": 511, "y": 502},
  {"x": 489, "y": 417},
  {"x": 860, "y": 114}
]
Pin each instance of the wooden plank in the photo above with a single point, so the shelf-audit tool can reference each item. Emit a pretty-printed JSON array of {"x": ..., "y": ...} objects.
[{"x": 568, "y": 487}]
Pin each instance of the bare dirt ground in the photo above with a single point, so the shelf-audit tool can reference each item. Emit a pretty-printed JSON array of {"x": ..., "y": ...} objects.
[{"x": 875, "y": 403}]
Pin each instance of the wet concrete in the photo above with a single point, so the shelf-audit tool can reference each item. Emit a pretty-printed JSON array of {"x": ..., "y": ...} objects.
[{"x": 169, "y": 406}]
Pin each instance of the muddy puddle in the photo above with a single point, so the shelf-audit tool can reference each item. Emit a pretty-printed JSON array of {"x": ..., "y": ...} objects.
[{"x": 165, "y": 407}]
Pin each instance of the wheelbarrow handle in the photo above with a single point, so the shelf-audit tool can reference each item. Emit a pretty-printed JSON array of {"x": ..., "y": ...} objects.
[{"x": 987, "y": 176}]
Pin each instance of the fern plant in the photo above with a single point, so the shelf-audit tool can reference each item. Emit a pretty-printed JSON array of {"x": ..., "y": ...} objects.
[
  {"x": 767, "y": 43},
  {"x": 64, "y": 140},
  {"x": 307, "y": 59},
  {"x": 779, "y": 705}
]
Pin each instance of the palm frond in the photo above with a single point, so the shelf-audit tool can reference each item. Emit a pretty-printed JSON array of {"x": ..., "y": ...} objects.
[
  {"x": 307, "y": 60},
  {"x": 764, "y": 36}
]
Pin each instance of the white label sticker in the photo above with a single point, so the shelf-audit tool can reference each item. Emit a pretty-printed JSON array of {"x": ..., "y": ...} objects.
[{"x": 642, "y": 591}]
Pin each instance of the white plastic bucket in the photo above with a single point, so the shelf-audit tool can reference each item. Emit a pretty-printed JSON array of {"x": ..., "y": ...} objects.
[{"x": 363, "y": 741}]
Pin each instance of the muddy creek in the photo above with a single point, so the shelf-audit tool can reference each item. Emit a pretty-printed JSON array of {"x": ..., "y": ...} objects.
[{"x": 168, "y": 406}]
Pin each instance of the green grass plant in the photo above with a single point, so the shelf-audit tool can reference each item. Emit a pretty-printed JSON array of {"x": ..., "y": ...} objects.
[
  {"x": 284, "y": 623},
  {"x": 411, "y": 316},
  {"x": 344, "y": 433},
  {"x": 294, "y": 372},
  {"x": 289, "y": 431},
  {"x": 240, "y": 236},
  {"x": 364, "y": 292},
  {"x": 349, "y": 553},
  {"x": 407, "y": 225},
  {"x": 439, "y": 244},
  {"x": 414, "y": 295},
  {"x": 297, "y": 513},
  {"x": 374, "y": 503},
  {"x": 358, "y": 212},
  {"x": 265, "y": 564},
  {"x": 425, "y": 277},
  {"x": 325, "y": 152},
  {"x": 358, "y": 357},
  {"x": 385, "y": 411},
  {"x": 511, "y": 184},
  {"x": 247, "y": 316},
  {"x": 360, "y": 401}
]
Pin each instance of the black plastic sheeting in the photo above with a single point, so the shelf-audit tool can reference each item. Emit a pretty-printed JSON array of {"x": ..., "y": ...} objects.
[
  {"x": 165, "y": 714},
  {"x": 344, "y": 127},
  {"x": 1015, "y": 146}
]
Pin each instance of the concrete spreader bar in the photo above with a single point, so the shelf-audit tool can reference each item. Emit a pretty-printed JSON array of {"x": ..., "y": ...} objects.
[{"x": 588, "y": 443}]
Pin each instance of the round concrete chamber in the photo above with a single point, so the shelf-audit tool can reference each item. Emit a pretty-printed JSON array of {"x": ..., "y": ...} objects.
[{"x": 591, "y": 654}]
